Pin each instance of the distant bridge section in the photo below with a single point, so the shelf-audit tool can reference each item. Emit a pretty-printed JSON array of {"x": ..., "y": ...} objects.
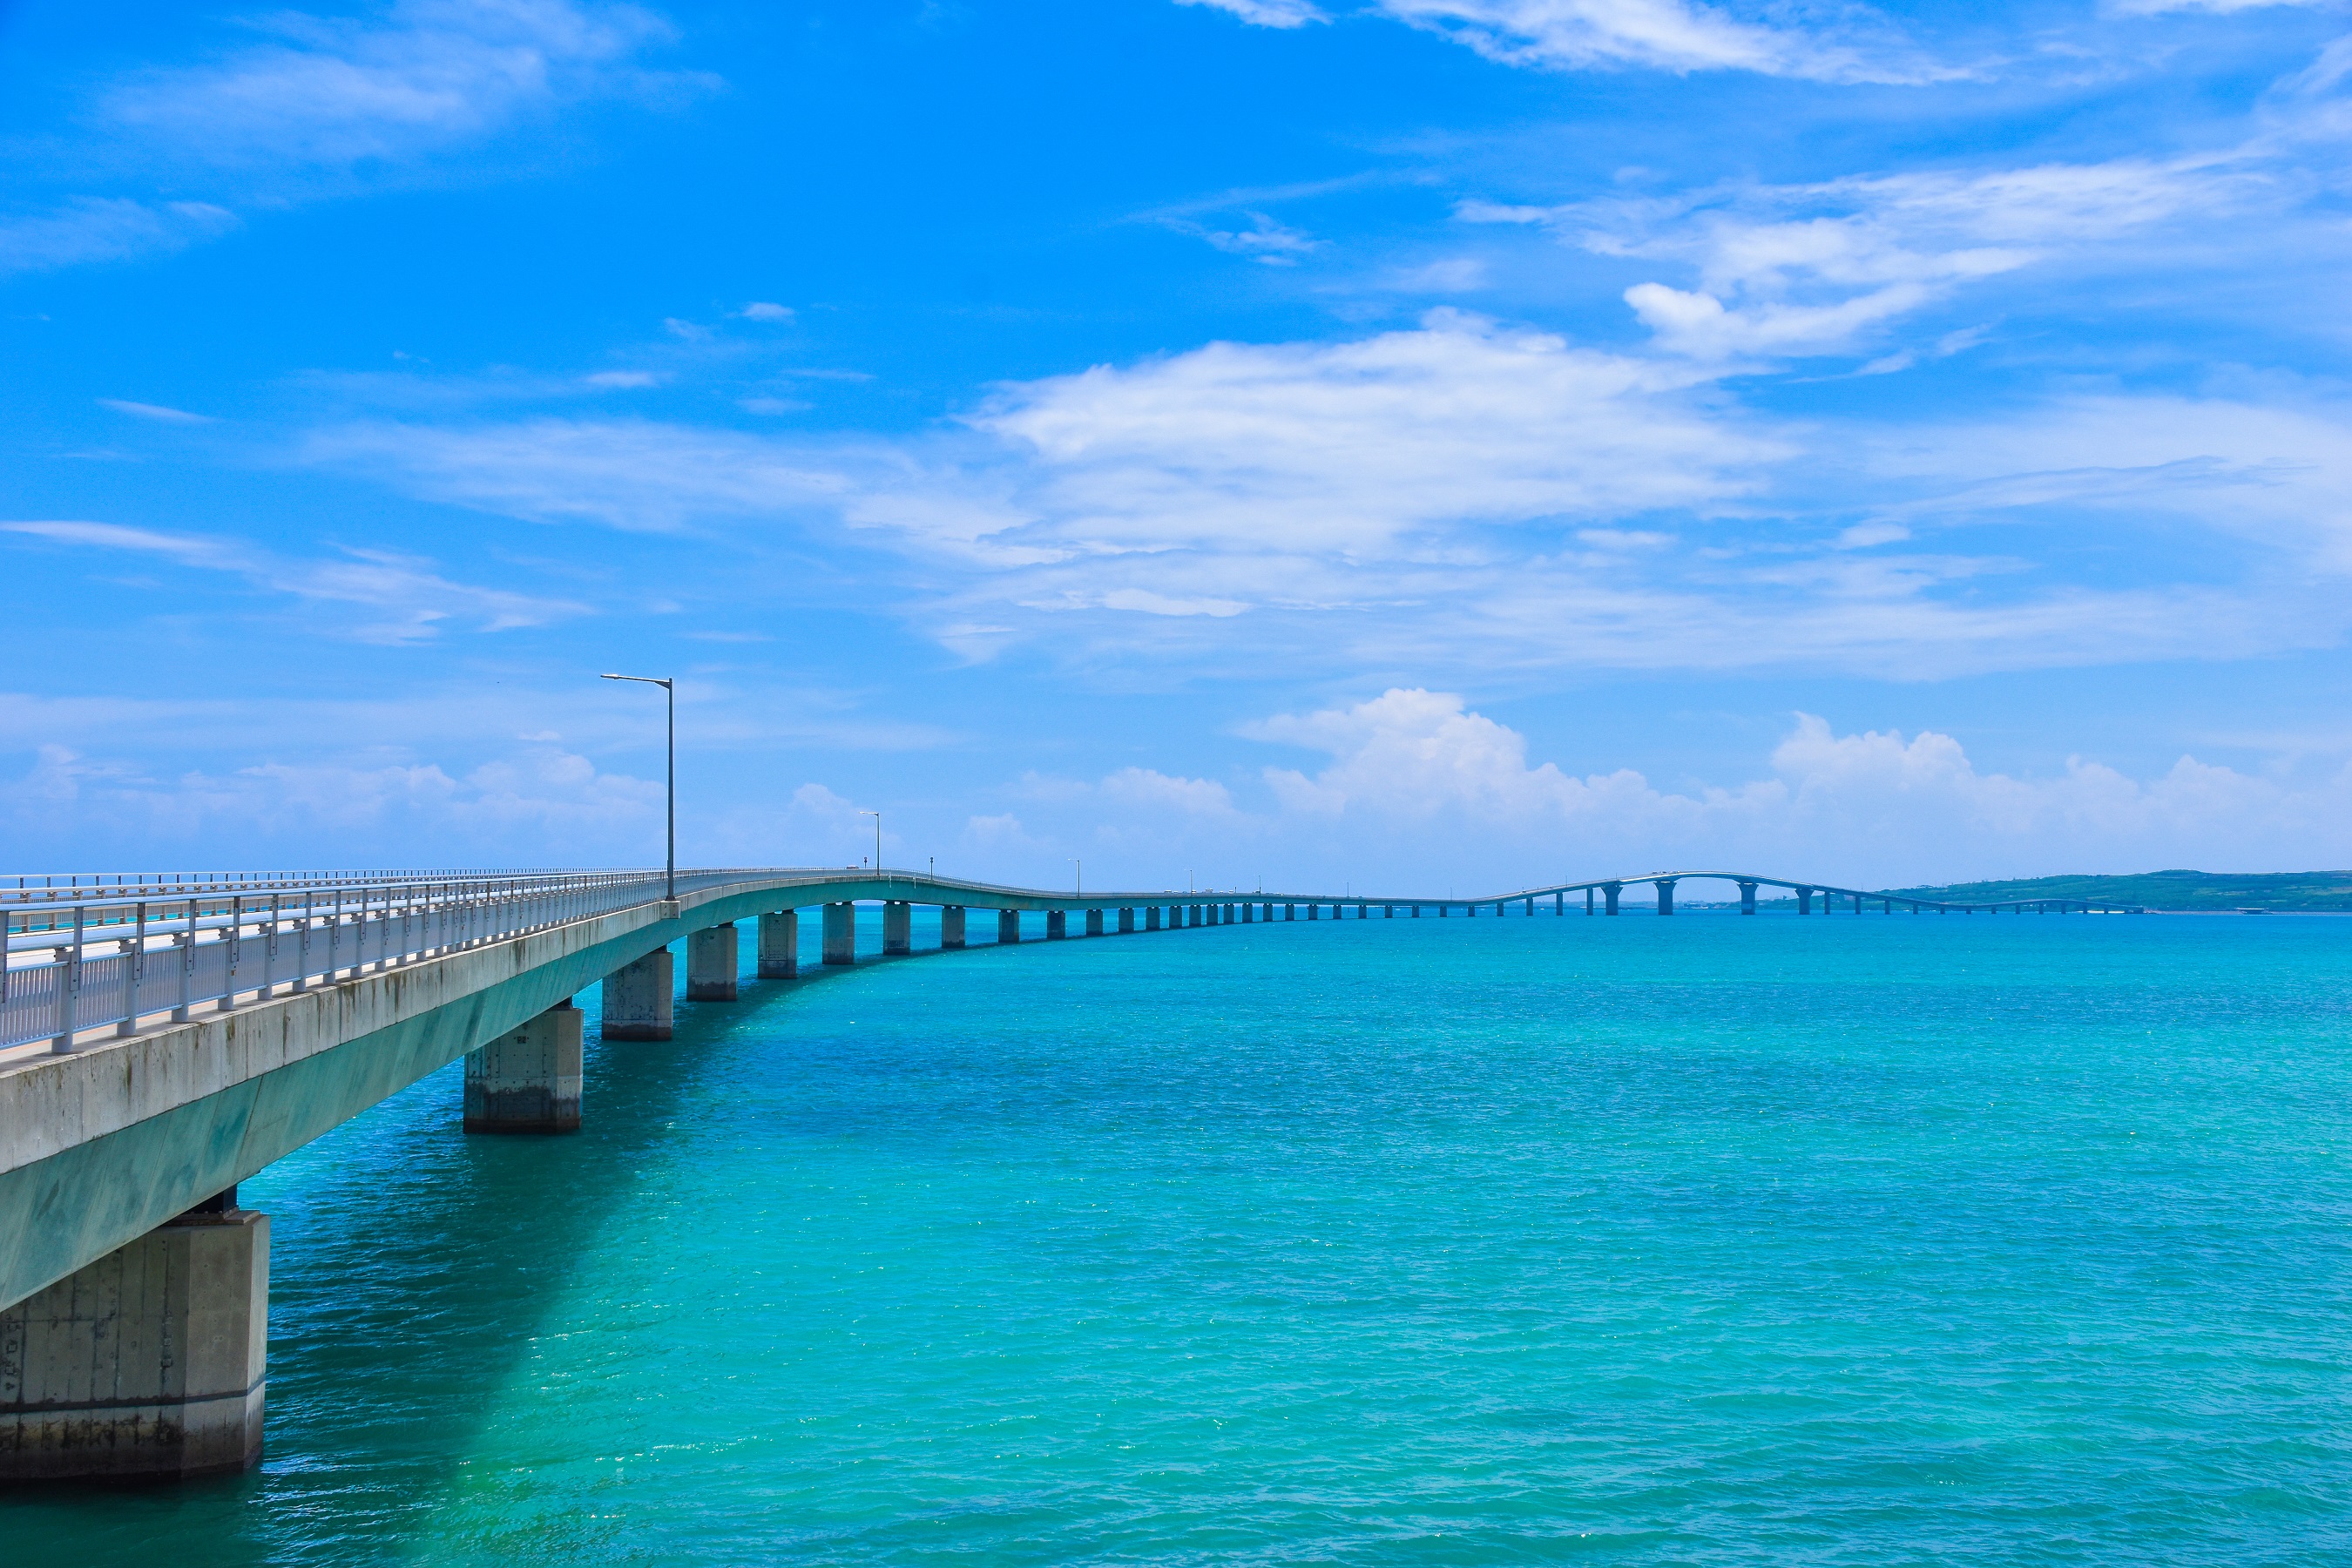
[{"x": 164, "y": 1037}]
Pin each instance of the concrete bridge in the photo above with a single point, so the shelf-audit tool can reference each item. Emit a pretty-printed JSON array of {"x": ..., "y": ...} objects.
[{"x": 162, "y": 1037}]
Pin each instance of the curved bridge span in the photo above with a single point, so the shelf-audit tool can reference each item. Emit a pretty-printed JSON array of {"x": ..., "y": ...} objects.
[{"x": 165, "y": 1038}]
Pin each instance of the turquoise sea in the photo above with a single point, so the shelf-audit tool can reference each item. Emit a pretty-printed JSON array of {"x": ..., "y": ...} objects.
[{"x": 1704, "y": 1240}]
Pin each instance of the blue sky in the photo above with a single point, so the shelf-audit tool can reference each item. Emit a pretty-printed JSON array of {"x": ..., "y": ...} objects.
[{"x": 1436, "y": 442}]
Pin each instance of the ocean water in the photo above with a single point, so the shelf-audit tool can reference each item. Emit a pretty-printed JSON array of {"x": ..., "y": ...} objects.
[{"x": 1711, "y": 1240}]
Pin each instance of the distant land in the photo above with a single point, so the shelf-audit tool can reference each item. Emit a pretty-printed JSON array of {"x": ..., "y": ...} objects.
[
  {"x": 2281, "y": 890},
  {"x": 2164, "y": 890}
]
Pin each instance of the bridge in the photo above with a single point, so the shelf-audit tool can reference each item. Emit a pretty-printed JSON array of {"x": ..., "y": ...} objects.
[{"x": 165, "y": 1036}]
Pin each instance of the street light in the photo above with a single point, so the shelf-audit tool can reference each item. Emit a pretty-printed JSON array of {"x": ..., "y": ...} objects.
[
  {"x": 1082, "y": 875},
  {"x": 671, "y": 692},
  {"x": 878, "y": 838}
]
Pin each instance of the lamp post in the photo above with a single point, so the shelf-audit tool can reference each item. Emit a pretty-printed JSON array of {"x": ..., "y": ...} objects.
[
  {"x": 670, "y": 691},
  {"x": 1082, "y": 875},
  {"x": 878, "y": 839}
]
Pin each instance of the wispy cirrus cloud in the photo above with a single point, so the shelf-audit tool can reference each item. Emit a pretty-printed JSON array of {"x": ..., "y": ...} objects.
[
  {"x": 313, "y": 105},
  {"x": 1680, "y": 35},
  {"x": 410, "y": 599},
  {"x": 330, "y": 93},
  {"x": 84, "y": 229},
  {"x": 1824, "y": 269}
]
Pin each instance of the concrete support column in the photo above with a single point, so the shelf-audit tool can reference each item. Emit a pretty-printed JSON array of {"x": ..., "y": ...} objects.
[
  {"x": 1747, "y": 897},
  {"x": 1667, "y": 896},
  {"x": 1150, "y": 917},
  {"x": 146, "y": 1365},
  {"x": 1471, "y": 910},
  {"x": 1057, "y": 924},
  {"x": 1313, "y": 912},
  {"x": 1804, "y": 901},
  {"x": 1445, "y": 911},
  {"x": 1094, "y": 922},
  {"x": 1560, "y": 903},
  {"x": 1531, "y": 908},
  {"x": 1290, "y": 911},
  {"x": 640, "y": 998},
  {"x": 841, "y": 933},
  {"x": 527, "y": 1079},
  {"x": 951, "y": 926},
  {"x": 1125, "y": 921},
  {"x": 1588, "y": 901},
  {"x": 1609, "y": 891},
  {"x": 1416, "y": 912},
  {"x": 1249, "y": 914},
  {"x": 1226, "y": 912},
  {"x": 1008, "y": 926},
  {"x": 780, "y": 944},
  {"x": 711, "y": 959},
  {"x": 897, "y": 928}
]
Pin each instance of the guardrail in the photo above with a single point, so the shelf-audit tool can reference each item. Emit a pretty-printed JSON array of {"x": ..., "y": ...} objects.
[{"x": 119, "y": 960}]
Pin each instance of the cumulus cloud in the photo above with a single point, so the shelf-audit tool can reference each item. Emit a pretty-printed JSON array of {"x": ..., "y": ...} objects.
[
  {"x": 409, "y": 600},
  {"x": 1469, "y": 496},
  {"x": 1873, "y": 808}
]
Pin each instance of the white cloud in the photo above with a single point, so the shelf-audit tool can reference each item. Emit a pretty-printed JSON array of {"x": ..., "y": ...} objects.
[
  {"x": 541, "y": 805},
  {"x": 1267, "y": 12},
  {"x": 94, "y": 228},
  {"x": 1265, "y": 241},
  {"x": 154, "y": 411},
  {"x": 621, "y": 380},
  {"x": 2157, "y": 7},
  {"x": 411, "y": 599},
  {"x": 333, "y": 94},
  {"x": 765, "y": 311},
  {"x": 1666, "y": 34},
  {"x": 1820, "y": 268},
  {"x": 1872, "y": 809}
]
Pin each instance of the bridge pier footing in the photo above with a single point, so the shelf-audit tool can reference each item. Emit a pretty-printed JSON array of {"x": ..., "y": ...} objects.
[
  {"x": 527, "y": 1079},
  {"x": 712, "y": 958},
  {"x": 640, "y": 998},
  {"x": 146, "y": 1365},
  {"x": 780, "y": 944}
]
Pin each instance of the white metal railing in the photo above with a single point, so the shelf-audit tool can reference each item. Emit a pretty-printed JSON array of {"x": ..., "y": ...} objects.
[{"x": 127, "y": 948}]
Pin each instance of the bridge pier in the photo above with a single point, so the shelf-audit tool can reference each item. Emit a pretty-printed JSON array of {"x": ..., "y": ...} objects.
[
  {"x": 1747, "y": 897},
  {"x": 1094, "y": 922},
  {"x": 1609, "y": 891},
  {"x": 640, "y": 998},
  {"x": 1152, "y": 917},
  {"x": 841, "y": 933},
  {"x": 780, "y": 944},
  {"x": 1666, "y": 895},
  {"x": 897, "y": 928},
  {"x": 1125, "y": 921},
  {"x": 148, "y": 1365},
  {"x": 712, "y": 957},
  {"x": 527, "y": 1079},
  {"x": 1008, "y": 926},
  {"x": 1560, "y": 903},
  {"x": 951, "y": 926},
  {"x": 1805, "y": 901},
  {"x": 1588, "y": 901},
  {"x": 1057, "y": 924}
]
